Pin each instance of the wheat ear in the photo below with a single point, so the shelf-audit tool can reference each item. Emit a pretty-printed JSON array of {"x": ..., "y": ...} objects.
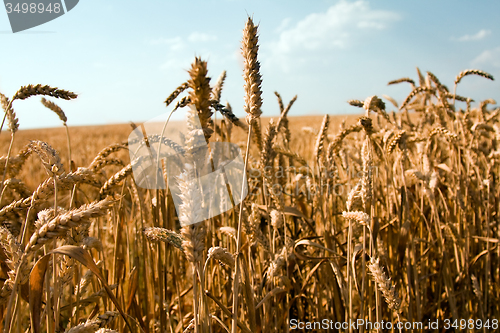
[
  {"x": 176, "y": 93},
  {"x": 59, "y": 225},
  {"x": 384, "y": 284},
  {"x": 13, "y": 126},
  {"x": 200, "y": 94},
  {"x": 320, "y": 140},
  {"x": 252, "y": 77},
  {"x": 467, "y": 72},
  {"x": 217, "y": 89},
  {"x": 414, "y": 92},
  {"x": 9, "y": 113},
  {"x": 404, "y": 79},
  {"x": 164, "y": 235}
]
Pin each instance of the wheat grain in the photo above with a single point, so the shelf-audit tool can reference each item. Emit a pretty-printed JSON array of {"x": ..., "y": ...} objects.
[
  {"x": 56, "y": 109},
  {"x": 221, "y": 254},
  {"x": 200, "y": 94},
  {"x": 10, "y": 114},
  {"x": 320, "y": 140},
  {"x": 251, "y": 72},
  {"x": 439, "y": 85},
  {"x": 176, "y": 93},
  {"x": 466, "y": 72},
  {"x": 217, "y": 89},
  {"x": 384, "y": 284},
  {"x": 337, "y": 141},
  {"x": 38, "y": 89},
  {"x": 192, "y": 231},
  {"x": 359, "y": 217},
  {"x": 59, "y": 225},
  {"x": 443, "y": 131},
  {"x": 395, "y": 141},
  {"x": 373, "y": 103},
  {"x": 414, "y": 92},
  {"x": 164, "y": 235},
  {"x": 49, "y": 157},
  {"x": 404, "y": 79},
  {"x": 356, "y": 102}
]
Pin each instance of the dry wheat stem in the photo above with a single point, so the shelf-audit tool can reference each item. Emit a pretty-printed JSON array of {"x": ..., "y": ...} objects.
[{"x": 238, "y": 240}]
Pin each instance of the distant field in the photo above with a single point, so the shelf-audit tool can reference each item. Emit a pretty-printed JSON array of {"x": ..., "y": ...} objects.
[{"x": 87, "y": 141}]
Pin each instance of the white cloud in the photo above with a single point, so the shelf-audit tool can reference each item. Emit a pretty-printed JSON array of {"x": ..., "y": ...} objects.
[
  {"x": 197, "y": 37},
  {"x": 179, "y": 43},
  {"x": 488, "y": 57},
  {"x": 284, "y": 24},
  {"x": 174, "y": 43},
  {"x": 337, "y": 28},
  {"x": 481, "y": 34}
]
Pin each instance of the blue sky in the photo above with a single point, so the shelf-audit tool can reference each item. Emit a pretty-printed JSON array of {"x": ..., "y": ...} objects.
[{"x": 124, "y": 57}]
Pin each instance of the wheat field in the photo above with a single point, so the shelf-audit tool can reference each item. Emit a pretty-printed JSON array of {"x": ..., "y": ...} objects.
[{"x": 391, "y": 215}]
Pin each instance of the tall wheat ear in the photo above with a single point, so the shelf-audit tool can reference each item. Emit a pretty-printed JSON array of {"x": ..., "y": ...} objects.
[
  {"x": 200, "y": 94},
  {"x": 252, "y": 78},
  {"x": 384, "y": 284}
]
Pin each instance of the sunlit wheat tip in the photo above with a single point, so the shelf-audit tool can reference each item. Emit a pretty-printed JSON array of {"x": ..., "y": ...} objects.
[
  {"x": 10, "y": 114},
  {"x": 358, "y": 216},
  {"x": 466, "y": 72},
  {"x": 55, "y": 108},
  {"x": 356, "y": 102},
  {"x": 38, "y": 89},
  {"x": 404, "y": 79},
  {"x": 49, "y": 157},
  {"x": 221, "y": 254},
  {"x": 176, "y": 93}
]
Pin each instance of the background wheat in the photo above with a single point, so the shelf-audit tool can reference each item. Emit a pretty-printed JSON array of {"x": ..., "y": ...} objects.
[{"x": 392, "y": 214}]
